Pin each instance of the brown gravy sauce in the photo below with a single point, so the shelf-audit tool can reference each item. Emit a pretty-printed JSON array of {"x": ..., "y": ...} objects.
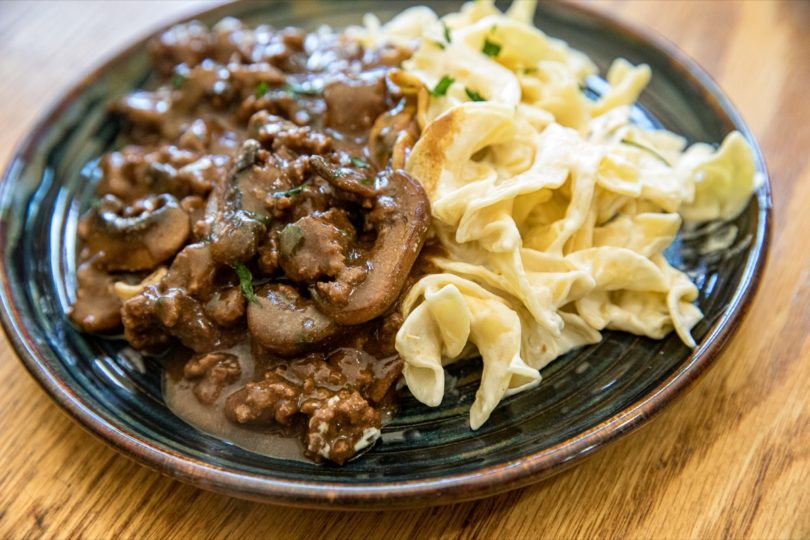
[{"x": 179, "y": 397}]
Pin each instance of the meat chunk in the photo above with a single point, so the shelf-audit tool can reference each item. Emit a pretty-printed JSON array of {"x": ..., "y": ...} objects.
[
  {"x": 280, "y": 134},
  {"x": 340, "y": 427},
  {"x": 227, "y": 306},
  {"x": 314, "y": 247},
  {"x": 212, "y": 372},
  {"x": 374, "y": 377},
  {"x": 187, "y": 304},
  {"x": 271, "y": 399},
  {"x": 133, "y": 172},
  {"x": 335, "y": 396},
  {"x": 193, "y": 270},
  {"x": 185, "y": 44},
  {"x": 353, "y": 103},
  {"x": 151, "y": 317}
]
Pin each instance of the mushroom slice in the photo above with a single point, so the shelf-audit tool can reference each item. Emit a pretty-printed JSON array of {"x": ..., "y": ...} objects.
[
  {"x": 96, "y": 308},
  {"x": 344, "y": 178},
  {"x": 136, "y": 237},
  {"x": 284, "y": 322},
  {"x": 401, "y": 216},
  {"x": 236, "y": 229}
]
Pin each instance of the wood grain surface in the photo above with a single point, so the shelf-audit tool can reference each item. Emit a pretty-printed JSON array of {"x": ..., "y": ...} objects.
[{"x": 730, "y": 459}]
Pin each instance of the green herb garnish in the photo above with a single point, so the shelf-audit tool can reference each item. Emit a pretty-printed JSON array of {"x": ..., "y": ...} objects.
[
  {"x": 357, "y": 162},
  {"x": 178, "y": 79},
  {"x": 647, "y": 149},
  {"x": 439, "y": 44},
  {"x": 289, "y": 238},
  {"x": 262, "y": 89},
  {"x": 301, "y": 90},
  {"x": 290, "y": 192},
  {"x": 447, "y": 37},
  {"x": 261, "y": 218},
  {"x": 442, "y": 86},
  {"x": 473, "y": 95},
  {"x": 529, "y": 70},
  {"x": 245, "y": 281},
  {"x": 491, "y": 48}
]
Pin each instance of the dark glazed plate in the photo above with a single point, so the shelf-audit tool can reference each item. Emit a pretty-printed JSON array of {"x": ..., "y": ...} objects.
[{"x": 427, "y": 456}]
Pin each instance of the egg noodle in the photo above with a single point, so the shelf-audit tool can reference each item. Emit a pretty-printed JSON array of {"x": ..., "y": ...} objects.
[{"x": 553, "y": 208}]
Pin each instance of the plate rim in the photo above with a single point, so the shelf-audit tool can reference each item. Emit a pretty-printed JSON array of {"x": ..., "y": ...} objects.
[{"x": 432, "y": 490}]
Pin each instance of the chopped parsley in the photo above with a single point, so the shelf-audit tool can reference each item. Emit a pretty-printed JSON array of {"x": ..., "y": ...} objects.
[
  {"x": 447, "y": 36},
  {"x": 529, "y": 70},
  {"x": 262, "y": 89},
  {"x": 290, "y": 192},
  {"x": 473, "y": 95},
  {"x": 256, "y": 216},
  {"x": 491, "y": 48},
  {"x": 647, "y": 149},
  {"x": 245, "y": 281},
  {"x": 289, "y": 238},
  {"x": 360, "y": 163},
  {"x": 301, "y": 90},
  {"x": 442, "y": 86},
  {"x": 178, "y": 80},
  {"x": 439, "y": 44}
]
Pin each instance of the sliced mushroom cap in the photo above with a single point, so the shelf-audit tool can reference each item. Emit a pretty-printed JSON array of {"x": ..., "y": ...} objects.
[
  {"x": 236, "y": 230},
  {"x": 284, "y": 322},
  {"x": 97, "y": 308},
  {"x": 235, "y": 237},
  {"x": 401, "y": 216},
  {"x": 136, "y": 237}
]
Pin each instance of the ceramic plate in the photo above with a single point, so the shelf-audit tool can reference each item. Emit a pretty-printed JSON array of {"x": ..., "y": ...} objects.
[{"x": 426, "y": 456}]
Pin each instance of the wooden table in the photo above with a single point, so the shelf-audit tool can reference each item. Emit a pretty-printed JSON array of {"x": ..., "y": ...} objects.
[{"x": 730, "y": 459}]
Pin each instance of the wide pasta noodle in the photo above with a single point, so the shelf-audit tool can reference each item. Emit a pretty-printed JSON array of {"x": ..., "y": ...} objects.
[{"x": 553, "y": 209}]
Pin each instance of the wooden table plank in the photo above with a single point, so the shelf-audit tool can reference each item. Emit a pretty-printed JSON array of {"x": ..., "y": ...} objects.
[{"x": 732, "y": 458}]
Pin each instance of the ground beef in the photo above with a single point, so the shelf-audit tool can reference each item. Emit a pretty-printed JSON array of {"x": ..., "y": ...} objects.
[
  {"x": 258, "y": 162},
  {"x": 338, "y": 395},
  {"x": 354, "y": 102},
  {"x": 317, "y": 248},
  {"x": 226, "y": 307},
  {"x": 211, "y": 373}
]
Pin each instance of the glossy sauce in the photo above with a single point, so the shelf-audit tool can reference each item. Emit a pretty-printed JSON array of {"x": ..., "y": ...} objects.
[{"x": 179, "y": 397}]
